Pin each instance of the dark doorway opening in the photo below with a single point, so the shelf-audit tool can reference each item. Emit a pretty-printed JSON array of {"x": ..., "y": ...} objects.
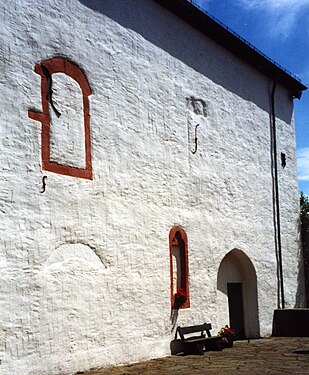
[
  {"x": 236, "y": 309},
  {"x": 236, "y": 267}
]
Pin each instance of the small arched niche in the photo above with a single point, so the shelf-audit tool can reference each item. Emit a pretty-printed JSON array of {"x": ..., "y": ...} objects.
[
  {"x": 179, "y": 268},
  {"x": 74, "y": 301},
  {"x": 237, "y": 294}
]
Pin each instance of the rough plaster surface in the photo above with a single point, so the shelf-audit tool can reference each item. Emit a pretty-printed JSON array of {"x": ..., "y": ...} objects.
[
  {"x": 67, "y": 136},
  {"x": 84, "y": 267}
]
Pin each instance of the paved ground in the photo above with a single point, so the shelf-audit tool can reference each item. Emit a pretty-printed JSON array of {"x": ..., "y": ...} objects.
[{"x": 271, "y": 356}]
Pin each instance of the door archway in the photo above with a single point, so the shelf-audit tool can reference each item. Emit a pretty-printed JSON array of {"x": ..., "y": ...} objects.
[{"x": 237, "y": 294}]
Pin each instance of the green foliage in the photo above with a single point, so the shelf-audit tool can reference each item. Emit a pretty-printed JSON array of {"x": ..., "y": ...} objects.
[{"x": 304, "y": 213}]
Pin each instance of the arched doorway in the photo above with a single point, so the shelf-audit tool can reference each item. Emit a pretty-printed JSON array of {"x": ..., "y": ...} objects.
[{"x": 237, "y": 294}]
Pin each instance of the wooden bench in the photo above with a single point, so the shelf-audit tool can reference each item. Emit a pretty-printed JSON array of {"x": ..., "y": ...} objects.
[{"x": 201, "y": 343}]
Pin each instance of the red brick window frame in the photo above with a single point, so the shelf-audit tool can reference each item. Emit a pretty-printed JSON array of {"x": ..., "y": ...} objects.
[
  {"x": 62, "y": 65},
  {"x": 179, "y": 268}
]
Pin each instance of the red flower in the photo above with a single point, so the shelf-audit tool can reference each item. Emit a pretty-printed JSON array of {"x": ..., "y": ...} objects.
[
  {"x": 180, "y": 297},
  {"x": 226, "y": 332},
  {"x": 181, "y": 293}
]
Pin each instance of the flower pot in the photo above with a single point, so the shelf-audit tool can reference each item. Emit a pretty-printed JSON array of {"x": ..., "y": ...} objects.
[{"x": 227, "y": 342}]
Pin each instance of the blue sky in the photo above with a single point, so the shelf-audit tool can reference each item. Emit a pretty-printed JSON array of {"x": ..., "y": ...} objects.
[{"x": 280, "y": 29}]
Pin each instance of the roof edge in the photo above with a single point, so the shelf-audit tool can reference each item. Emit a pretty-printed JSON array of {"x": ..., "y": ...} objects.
[{"x": 228, "y": 39}]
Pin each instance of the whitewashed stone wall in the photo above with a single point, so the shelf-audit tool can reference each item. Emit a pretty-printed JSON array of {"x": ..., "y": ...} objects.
[{"x": 85, "y": 268}]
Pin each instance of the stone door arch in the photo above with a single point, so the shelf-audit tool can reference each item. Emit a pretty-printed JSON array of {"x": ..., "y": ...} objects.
[{"x": 237, "y": 284}]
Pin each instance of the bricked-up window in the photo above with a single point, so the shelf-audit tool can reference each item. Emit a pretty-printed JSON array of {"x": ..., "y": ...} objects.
[
  {"x": 179, "y": 268},
  {"x": 65, "y": 118}
]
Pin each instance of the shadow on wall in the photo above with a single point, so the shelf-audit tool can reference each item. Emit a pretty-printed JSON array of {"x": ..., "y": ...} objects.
[
  {"x": 237, "y": 283},
  {"x": 173, "y": 318},
  {"x": 302, "y": 294},
  {"x": 168, "y": 32},
  {"x": 302, "y": 298},
  {"x": 176, "y": 344}
]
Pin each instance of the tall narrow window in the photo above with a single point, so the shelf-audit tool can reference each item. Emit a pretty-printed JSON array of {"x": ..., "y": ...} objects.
[{"x": 179, "y": 266}]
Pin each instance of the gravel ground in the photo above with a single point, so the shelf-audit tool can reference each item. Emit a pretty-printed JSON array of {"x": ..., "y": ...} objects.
[{"x": 266, "y": 356}]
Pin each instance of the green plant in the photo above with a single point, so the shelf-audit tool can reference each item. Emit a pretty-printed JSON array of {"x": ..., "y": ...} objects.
[{"x": 304, "y": 213}]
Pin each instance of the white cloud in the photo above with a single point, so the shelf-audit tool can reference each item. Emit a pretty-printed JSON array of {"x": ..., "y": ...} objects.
[
  {"x": 282, "y": 15},
  {"x": 286, "y": 5},
  {"x": 303, "y": 164}
]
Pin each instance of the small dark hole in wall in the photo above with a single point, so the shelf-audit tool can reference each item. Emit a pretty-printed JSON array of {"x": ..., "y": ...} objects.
[
  {"x": 301, "y": 351},
  {"x": 283, "y": 160}
]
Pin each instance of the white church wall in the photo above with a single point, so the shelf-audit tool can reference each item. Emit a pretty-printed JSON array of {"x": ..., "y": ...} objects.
[{"x": 85, "y": 268}]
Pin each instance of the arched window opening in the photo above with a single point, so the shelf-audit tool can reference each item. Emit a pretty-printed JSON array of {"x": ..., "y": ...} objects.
[
  {"x": 180, "y": 298},
  {"x": 63, "y": 114}
]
